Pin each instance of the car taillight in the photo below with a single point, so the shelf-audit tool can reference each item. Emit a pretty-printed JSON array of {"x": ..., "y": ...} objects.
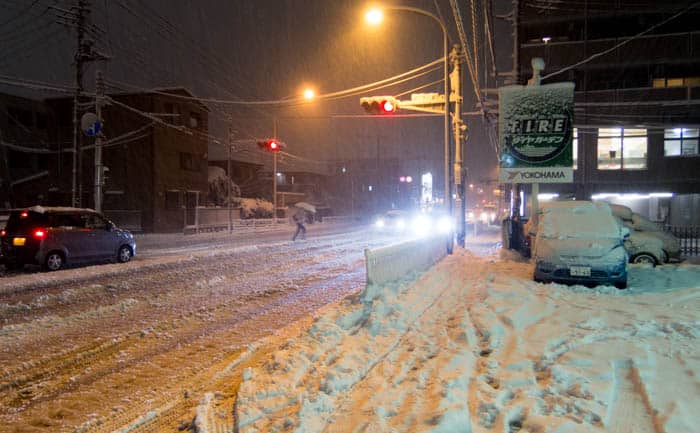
[
  {"x": 24, "y": 214},
  {"x": 40, "y": 233},
  {"x": 2, "y": 233}
]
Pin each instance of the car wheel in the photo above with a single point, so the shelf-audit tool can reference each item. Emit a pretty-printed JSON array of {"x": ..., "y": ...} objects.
[
  {"x": 621, "y": 285},
  {"x": 665, "y": 257},
  {"x": 54, "y": 261},
  {"x": 644, "y": 258},
  {"x": 124, "y": 254}
]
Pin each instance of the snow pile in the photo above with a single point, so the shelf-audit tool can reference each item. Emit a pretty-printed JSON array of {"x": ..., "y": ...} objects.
[{"x": 475, "y": 345}]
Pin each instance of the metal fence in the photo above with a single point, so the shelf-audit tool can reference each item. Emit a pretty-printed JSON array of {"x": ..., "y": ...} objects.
[{"x": 689, "y": 237}]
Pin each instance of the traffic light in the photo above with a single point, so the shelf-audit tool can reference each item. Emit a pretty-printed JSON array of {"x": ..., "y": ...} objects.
[
  {"x": 271, "y": 145},
  {"x": 379, "y": 104}
]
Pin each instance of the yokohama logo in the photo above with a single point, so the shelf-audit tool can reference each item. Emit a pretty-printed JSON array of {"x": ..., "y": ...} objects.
[{"x": 537, "y": 175}]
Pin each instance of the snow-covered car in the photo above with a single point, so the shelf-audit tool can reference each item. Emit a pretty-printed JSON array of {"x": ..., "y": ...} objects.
[
  {"x": 579, "y": 242},
  {"x": 639, "y": 225},
  {"x": 643, "y": 247}
]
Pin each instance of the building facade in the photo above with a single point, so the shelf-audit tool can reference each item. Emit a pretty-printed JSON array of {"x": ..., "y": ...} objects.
[
  {"x": 154, "y": 157},
  {"x": 636, "y": 69}
]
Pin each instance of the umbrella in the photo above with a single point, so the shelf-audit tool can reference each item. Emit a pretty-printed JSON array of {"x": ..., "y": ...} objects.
[{"x": 305, "y": 206}]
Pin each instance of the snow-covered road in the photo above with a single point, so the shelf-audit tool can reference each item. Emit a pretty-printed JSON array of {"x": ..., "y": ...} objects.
[{"x": 97, "y": 347}]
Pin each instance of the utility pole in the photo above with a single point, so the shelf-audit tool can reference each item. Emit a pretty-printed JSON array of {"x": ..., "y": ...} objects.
[
  {"x": 459, "y": 129},
  {"x": 80, "y": 57},
  {"x": 7, "y": 179},
  {"x": 99, "y": 170},
  {"x": 77, "y": 17},
  {"x": 228, "y": 182},
  {"x": 274, "y": 173}
]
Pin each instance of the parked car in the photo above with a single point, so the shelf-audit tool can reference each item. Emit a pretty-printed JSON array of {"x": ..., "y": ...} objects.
[
  {"x": 638, "y": 225},
  {"x": 644, "y": 248},
  {"x": 54, "y": 237},
  {"x": 579, "y": 242}
]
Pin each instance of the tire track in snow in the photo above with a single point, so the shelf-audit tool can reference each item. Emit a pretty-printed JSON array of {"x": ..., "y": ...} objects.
[{"x": 629, "y": 408}]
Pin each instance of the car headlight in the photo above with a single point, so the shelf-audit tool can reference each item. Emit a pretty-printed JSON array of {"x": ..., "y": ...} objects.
[
  {"x": 379, "y": 223},
  {"x": 420, "y": 226},
  {"x": 484, "y": 217},
  {"x": 444, "y": 225},
  {"x": 400, "y": 224}
]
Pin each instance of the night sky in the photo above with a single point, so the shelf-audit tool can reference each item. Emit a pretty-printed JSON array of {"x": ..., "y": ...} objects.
[{"x": 259, "y": 50}]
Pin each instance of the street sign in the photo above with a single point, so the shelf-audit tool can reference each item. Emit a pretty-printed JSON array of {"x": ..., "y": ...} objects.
[
  {"x": 535, "y": 133},
  {"x": 90, "y": 124}
]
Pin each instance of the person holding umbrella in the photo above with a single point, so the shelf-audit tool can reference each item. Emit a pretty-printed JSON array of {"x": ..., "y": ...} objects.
[{"x": 299, "y": 218}]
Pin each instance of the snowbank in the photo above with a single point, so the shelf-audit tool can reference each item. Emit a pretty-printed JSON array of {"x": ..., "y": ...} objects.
[{"x": 474, "y": 345}]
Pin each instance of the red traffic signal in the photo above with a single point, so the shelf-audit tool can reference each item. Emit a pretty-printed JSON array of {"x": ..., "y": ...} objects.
[
  {"x": 380, "y": 104},
  {"x": 271, "y": 145}
]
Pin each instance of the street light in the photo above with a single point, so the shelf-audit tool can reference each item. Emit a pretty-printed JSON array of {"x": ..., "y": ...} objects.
[
  {"x": 374, "y": 16},
  {"x": 309, "y": 94}
]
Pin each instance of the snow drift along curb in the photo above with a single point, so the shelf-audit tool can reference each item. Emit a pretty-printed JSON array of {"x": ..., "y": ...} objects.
[{"x": 393, "y": 262}]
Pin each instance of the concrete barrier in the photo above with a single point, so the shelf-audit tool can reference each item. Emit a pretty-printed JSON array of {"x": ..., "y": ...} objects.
[{"x": 394, "y": 262}]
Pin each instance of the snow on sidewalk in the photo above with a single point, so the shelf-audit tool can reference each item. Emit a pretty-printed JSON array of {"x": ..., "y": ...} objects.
[{"x": 475, "y": 346}]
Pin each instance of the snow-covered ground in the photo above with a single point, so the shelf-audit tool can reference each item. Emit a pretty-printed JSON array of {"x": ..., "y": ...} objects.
[{"x": 474, "y": 345}]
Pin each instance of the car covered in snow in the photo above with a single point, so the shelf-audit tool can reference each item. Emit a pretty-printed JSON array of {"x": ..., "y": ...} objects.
[
  {"x": 641, "y": 248},
  {"x": 579, "y": 242}
]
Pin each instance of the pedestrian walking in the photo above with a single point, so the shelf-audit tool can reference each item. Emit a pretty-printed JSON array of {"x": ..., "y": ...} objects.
[{"x": 299, "y": 218}]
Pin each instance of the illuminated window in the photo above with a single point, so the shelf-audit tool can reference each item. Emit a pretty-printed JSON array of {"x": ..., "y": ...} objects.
[
  {"x": 574, "y": 145},
  {"x": 622, "y": 149},
  {"x": 681, "y": 142}
]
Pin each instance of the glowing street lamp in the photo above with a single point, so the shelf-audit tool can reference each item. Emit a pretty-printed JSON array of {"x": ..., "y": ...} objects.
[{"x": 309, "y": 94}]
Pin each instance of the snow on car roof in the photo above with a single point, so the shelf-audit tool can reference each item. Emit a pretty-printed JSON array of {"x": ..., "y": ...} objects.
[
  {"x": 45, "y": 209},
  {"x": 577, "y": 219}
]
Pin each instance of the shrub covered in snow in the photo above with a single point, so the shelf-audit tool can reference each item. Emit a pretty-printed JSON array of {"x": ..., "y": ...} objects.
[
  {"x": 255, "y": 208},
  {"x": 219, "y": 184}
]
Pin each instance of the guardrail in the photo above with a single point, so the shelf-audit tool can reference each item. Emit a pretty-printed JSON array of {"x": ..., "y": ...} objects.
[{"x": 395, "y": 261}]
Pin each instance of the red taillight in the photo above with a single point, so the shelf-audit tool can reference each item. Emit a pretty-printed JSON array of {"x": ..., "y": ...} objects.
[
  {"x": 24, "y": 214},
  {"x": 40, "y": 233},
  {"x": 2, "y": 233}
]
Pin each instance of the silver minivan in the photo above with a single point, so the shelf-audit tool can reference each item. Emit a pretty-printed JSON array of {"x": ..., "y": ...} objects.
[{"x": 54, "y": 237}]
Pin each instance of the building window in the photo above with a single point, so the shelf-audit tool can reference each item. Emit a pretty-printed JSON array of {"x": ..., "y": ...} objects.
[
  {"x": 681, "y": 141},
  {"x": 190, "y": 162},
  {"x": 574, "y": 145},
  {"x": 172, "y": 199},
  {"x": 195, "y": 120},
  {"x": 675, "y": 82},
  {"x": 622, "y": 149}
]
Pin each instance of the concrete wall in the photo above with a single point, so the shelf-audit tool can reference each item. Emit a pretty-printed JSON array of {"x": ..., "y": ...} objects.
[{"x": 396, "y": 261}]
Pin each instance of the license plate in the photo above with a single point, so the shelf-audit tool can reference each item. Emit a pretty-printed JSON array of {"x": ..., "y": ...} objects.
[
  {"x": 19, "y": 242},
  {"x": 580, "y": 271}
]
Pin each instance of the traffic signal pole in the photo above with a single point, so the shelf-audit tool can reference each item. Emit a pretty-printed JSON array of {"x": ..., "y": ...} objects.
[{"x": 459, "y": 129}]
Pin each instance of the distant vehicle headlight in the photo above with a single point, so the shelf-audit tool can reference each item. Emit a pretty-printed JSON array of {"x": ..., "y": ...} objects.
[
  {"x": 484, "y": 217},
  {"x": 400, "y": 224},
  {"x": 492, "y": 215},
  {"x": 420, "y": 225},
  {"x": 379, "y": 223},
  {"x": 444, "y": 225},
  {"x": 470, "y": 214}
]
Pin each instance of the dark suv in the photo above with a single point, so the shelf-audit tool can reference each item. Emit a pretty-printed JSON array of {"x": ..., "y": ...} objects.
[{"x": 55, "y": 236}]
